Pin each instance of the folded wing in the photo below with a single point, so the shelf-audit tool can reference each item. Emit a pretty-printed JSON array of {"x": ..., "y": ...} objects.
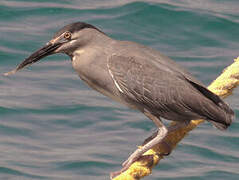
[{"x": 167, "y": 92}]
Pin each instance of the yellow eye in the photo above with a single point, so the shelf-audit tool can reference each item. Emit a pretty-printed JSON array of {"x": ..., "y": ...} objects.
[{"x": 67, "y": 35}]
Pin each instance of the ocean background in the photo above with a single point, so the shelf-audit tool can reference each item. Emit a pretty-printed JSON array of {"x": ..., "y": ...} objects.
[{"x": 53, "y": 127}]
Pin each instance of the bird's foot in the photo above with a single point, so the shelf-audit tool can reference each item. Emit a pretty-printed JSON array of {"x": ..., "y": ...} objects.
[
  {"x": 147, "y": 160},
  {"x": 138, "y": 154},
  {"x": 126, "y": 164},
  {"x": 117, "y": 173},
  {"x": 148, "y": 145},
  {"x": 166, "y": 146},
  {"x": 132, "y": 158}
]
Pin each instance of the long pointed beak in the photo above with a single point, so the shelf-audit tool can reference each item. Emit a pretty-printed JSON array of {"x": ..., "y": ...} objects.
[{"x": 47, "y": 50}]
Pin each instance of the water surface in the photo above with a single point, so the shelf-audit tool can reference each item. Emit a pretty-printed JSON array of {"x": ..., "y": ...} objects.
[{"x": 53, "y": 127}]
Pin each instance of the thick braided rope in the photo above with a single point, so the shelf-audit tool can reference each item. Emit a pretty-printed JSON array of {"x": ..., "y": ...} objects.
[{"x": 222, "y": 86}]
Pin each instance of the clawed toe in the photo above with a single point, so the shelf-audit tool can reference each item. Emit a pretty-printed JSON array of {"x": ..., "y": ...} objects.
[
  {"x": 128, "y": 162},
  {"x": 125, "y": 162},
  {"x": 117, "y": 173},
  {"x": 114, "y": 174},
  {"x": 125, "y": 165}
]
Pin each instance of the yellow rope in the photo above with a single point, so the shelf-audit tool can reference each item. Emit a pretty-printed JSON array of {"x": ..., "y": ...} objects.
[{"x": 222, "y": 86}]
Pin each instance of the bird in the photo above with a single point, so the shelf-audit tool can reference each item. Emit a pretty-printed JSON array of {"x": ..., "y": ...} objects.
[{"x": 137, "y": 76}]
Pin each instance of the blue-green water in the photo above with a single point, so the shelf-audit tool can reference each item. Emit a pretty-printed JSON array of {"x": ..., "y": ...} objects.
[{"x": 53, "y": 127}]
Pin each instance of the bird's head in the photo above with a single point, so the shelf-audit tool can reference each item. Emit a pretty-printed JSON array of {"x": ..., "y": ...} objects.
[{"x": 66, "y": 40}]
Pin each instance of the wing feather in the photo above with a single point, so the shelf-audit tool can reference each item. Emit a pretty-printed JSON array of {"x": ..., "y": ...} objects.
[{"x": 164, "y": 91}]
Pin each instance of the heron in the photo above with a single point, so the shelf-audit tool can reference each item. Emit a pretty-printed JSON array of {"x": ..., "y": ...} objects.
[{"x": 138, "y": 76}]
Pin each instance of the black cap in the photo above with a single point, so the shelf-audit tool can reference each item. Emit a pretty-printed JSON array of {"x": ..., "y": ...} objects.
[{"x": 74, "y": 27}]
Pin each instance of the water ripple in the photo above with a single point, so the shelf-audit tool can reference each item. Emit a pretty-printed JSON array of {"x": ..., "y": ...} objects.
[{"x": 55, "y": 127}]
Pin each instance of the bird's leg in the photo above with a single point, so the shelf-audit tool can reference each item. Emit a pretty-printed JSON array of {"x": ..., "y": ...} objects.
[
  {"x": 167, "y": 146},
  {"x": 151, "y": 141},
  {"x": 176, "y": 126},
  {"x": 158, "y": 123},
  {"x": 162, "y": 132}
]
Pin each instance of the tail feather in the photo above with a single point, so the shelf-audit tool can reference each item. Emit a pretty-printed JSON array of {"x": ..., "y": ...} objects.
[
  {"x": 219, "y": 113},
  {"x": 228, "y": 113},
  {"x": 220, "y": 126}
]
